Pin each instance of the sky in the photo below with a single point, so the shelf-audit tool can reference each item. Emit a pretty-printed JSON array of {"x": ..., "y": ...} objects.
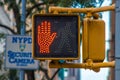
[{"x": 103, "y": 74}]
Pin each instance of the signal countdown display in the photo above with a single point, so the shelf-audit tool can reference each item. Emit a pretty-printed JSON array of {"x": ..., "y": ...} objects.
[{"x": 55, "y": 36}]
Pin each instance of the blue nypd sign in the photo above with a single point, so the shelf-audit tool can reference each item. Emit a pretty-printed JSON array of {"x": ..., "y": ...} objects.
[{"x": 19, "y": 53}]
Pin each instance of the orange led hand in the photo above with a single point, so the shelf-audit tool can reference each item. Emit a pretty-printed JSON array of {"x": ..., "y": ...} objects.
[{"x": 45, "y": 38}]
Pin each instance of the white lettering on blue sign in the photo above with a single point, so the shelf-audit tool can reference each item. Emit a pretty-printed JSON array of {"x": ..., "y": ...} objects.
[
  {"x": 20, "y": 58},
  {"x": 22, "y": 40}
]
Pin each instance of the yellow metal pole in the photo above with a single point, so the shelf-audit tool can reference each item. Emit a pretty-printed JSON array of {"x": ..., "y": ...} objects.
[
  {"x": 82, "y": 10},
  {"x": 104, "y": 8},
  {"x": 82, "y": 65},
  {"x": 43, "y": 11}
]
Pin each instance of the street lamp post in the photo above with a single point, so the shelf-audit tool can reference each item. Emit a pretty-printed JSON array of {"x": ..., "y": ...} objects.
[{"x": 22, "y": 31}]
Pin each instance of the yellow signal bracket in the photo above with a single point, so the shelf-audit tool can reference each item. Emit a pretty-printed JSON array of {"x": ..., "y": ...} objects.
[
  {"x": 55, "y": 12},
  {"x": 42, "y": 11},
  {"x": 88, "y": 65},
  {"x": 82, "y": 10},
  {"x": 95, "y": 15}
]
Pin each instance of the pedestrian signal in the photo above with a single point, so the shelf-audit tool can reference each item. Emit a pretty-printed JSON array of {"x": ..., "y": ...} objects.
[{"x": 55, "y": 36}]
